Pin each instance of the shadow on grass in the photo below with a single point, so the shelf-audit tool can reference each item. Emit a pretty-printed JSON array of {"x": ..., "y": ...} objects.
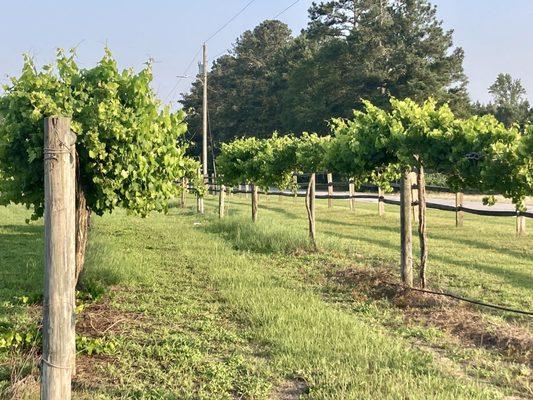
[
  {"x": 514, "y": 278},
  {"x": 433, "y": 234},
  {"x": 260, "y": 237}
]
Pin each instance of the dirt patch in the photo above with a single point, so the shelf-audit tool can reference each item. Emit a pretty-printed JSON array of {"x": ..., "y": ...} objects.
[
  {"x": 290, "y": 389},
  {"x": 457, "y": 318},
  {"x": 101, "y": 318}
]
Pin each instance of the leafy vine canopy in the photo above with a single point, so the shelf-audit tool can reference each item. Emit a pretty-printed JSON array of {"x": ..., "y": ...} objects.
[{"x": 130, "y": 148}]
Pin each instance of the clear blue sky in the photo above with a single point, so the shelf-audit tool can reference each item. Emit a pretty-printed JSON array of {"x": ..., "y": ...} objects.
[{"x": 497, "y": 35}]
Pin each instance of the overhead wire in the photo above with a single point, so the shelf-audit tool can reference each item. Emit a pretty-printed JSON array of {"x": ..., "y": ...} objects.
[
  {"x": 184, "y": 74},
  {"x": 230, "y": 21},
  {"x": 275, "y": 16},
  {"x": 286, "y": 9}
]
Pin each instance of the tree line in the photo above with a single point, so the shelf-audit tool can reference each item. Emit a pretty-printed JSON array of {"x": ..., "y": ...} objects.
[{"x": 351, "y": 51}]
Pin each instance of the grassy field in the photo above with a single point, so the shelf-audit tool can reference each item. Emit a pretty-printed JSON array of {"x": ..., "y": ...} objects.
[{"x": 198, "y": 308}]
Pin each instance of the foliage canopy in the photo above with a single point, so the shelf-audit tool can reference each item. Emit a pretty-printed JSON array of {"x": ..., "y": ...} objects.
[{"x": 129, "y": 148}]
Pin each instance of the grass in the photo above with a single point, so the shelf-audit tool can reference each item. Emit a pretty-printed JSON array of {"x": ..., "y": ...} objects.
[
  {"x": 483, "y": 260},
  {"x": 207, "y": 309}
]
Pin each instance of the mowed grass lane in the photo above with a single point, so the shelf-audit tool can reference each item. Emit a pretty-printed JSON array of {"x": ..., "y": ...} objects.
[
  {"x": 205, "y": 319},
  {"x": 484, "y": 259}
]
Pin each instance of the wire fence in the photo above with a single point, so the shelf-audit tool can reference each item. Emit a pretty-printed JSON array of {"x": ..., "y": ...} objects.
[{"x": 343, "y": 196}]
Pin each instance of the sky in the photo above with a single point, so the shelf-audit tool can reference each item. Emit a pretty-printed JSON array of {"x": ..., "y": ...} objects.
[{"x": 497, "y": 35}]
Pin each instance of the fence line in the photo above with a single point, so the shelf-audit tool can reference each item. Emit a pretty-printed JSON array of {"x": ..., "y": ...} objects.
[{"x": 436, "y": 206}]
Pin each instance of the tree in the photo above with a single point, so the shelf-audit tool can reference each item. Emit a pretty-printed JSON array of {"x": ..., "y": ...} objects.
[
  {"x": 129, "y": 149},
  {"x": 311, "y": 151},
  {"x": 420, "y": 137},
  {"x": 244, "y": 97},
  {"x": 238, "y": 163},
  {"x": 370, "y": 50},
  {"x": 509, "y": 103}
]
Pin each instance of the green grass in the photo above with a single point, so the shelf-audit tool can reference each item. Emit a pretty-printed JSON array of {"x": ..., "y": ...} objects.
[
  {"x": 225, "y": 309},
  {"x": 484, "y": 259}
]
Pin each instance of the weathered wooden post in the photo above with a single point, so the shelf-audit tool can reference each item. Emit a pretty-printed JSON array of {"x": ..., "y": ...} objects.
[
  {"x": 381, "y": 204},
  {"x": 310, "y": 206},
  {"x": 351, "y": 189},
  {"x": 414, "y": 196},
  {"x": 459, "y": 215},
  {"x": 520, "y": 223},
  {"x": 422, "y": 227},
  {"x": 184, "y": 184},
  {"x": 406, "y": 229},
  {"x": 200, "y": 208},
  {"x": 330, "y": 190},
  {"x": 295, "y": 187},
  {"x": 59, "y": 322},
  {"x": 221, "y": 201},
  {"x": 213, "y": 183},
  {"x": 255, "y": 202}
]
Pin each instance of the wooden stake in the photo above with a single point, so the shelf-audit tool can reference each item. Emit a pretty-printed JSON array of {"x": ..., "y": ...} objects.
[
  {"x": 352, "y": 193},
  {"x": 422, "y": 227},
  {"x": 459, "y": 215},
  {"x": 406, "y": 230},
  {"x": 212, "y": 184},
  {"x": 59, "y": 319},
  {"x": 183, "y": 192},
  {"x": 200, "y": 208},
  {"x": 381, "y": 204},
  {"x": 221, "y": 198},
  {"x": 255, "y": 201},
  {"x": 414, "y": 196},
  {"x": 330, "y": 190},
  {"x": 520, "y": 224},
  {"x": 295, "y": 188},
  {"x": 310, "y": 206}
]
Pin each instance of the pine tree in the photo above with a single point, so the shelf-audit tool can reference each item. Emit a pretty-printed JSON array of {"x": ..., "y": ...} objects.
[{"x": 243, "y": 94}]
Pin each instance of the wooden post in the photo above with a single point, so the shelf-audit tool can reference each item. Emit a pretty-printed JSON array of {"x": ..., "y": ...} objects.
[
  {"x": 295, "y": 187},
  {"x": 414, "y": 196},
  {"x": 330, "y": 190},
  {"x": 520, "y": 223},
  {"x": 183, "y": 192},
  {"x": 381, "y": 204},
  {"x": 422, "y": 227},
  {"x": 352, "y": 193},
  {"x": 199, "y": 199},
  {"x": 406, "y": 230},
  {"x": 59, "y": 320},
  {"x": 459, "y": 215},
  {"x": 221, "y": 198},
  {"x": 212, "y": 184},
  {"x": 255, "y": 201},
  {"x": 310, "y": 206}
]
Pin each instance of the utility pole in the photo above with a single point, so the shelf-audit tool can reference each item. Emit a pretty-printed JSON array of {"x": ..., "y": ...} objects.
[
  {"x": 203, "y": 171},
  {"x": 204, "y": 137}
]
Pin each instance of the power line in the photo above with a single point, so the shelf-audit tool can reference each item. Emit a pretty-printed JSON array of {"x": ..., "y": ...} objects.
[
  {"x": 230, "y": 20},
  {"x": 287, "y": 9},
  {"x": 276, "y": 16},
  {"x": 207, "y": 40},
  {"x": 183, "y": 76}
]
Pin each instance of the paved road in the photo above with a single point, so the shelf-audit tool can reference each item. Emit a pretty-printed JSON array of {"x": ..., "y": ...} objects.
[{"x": 434, "y": 198}]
